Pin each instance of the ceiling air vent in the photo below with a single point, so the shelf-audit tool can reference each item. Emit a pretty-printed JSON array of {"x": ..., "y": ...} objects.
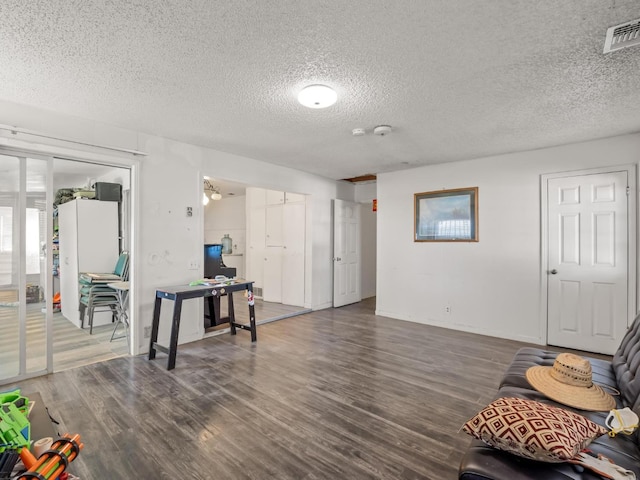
[{"x": 622, "y": 36}]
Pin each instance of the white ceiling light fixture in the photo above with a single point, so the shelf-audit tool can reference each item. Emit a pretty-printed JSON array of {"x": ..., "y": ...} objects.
[
  {"x": 317, "y": 96},
  {"x": 382, "y": 130},
  {"x": 215, "y": 192}
]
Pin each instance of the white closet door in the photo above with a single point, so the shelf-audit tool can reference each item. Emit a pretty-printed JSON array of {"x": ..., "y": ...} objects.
[
  {"x": 272, "y": 289},
  {"x": 293, "y": 254},
  {"x": 255, "y": 204},
  {"x": 293, "y": 197},
  {"x": 275, "y": 197},
  {"x": 274, "y": 225}
]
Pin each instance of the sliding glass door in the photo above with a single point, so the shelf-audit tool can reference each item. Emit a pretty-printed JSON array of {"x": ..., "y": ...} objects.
[{"x": 25, "y": 273}]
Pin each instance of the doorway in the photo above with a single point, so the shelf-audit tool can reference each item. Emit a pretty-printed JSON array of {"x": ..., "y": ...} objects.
[
  {"x": 264, "y": 233},
  {"x": 36, "y": 337},
  {"x": 589, "y": 257},
  {"x": 91, "y": 228},
  {"x": 355, "y": 249}
]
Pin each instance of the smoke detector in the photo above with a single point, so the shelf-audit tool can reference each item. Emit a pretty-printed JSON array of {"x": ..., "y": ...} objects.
[
  {"x": 382, "y": 130},
  {"x": 622, "y": 36}
]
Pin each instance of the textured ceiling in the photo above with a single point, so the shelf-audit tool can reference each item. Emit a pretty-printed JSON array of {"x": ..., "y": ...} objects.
[{"x": 455, "y": 79}]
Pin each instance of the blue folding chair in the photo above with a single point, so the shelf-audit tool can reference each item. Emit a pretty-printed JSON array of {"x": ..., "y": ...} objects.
[{"x": 96, "y": 295}]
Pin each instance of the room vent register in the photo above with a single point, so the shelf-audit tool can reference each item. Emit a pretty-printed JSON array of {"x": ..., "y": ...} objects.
[{"x": 622, "y": 36}]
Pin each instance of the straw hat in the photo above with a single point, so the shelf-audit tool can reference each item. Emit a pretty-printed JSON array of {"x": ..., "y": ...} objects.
[{"x": 569, "y": 382}]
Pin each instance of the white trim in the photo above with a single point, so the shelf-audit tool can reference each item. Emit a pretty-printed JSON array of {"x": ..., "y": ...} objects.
[
  {"x": 17, "y": 130},
  {"x": 200, "y": 234},
  {"x": 28, "y": 148},
  {"x": 49, "y": 269},
  {"x": 544, "y": 256},
  {"x": 632, "y": 246},
  {"x": 22, "y": 265},
  {"x": 20, "y": 378},
  {"x": 322, "y": 306},
  {"x": 632, "y": 275},
  {"x": 135, "y": 324}
]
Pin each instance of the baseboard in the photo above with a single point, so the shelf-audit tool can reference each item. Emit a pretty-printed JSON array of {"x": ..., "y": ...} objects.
[
  {"x": 322, "y": 306},
  {"x": 282, "y": 317},
  {"x": 466, "y": 328}
]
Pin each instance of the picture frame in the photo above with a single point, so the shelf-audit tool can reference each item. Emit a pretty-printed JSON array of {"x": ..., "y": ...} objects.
[{"x": 446, "y": 215}]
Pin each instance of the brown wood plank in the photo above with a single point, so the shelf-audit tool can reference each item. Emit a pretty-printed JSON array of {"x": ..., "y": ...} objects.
[
  {"x": 74, "y": 347},
  {"x": 338, "y": 393}
]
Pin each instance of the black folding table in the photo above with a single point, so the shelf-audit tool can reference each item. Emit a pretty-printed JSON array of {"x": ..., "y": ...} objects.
[{"x": 184, "y": 292}]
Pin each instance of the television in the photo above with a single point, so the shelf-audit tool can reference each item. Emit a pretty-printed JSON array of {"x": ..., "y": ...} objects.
[{"x": 213, "y": 264}]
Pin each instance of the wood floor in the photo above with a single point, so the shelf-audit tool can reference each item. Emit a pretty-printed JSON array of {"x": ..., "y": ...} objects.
[
  {"x": 74, "y": 347},
  {"x": 334, "y": 394}
]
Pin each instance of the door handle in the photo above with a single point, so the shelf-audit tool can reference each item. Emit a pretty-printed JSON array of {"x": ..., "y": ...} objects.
[
  {"x": 338, "y": 259},
  {"x": 553, "y": 272}
]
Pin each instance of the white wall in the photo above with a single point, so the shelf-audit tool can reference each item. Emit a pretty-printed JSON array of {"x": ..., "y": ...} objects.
[
  {"x": 493, "y": 286},
  {"x": 364, "y": 193},
  {"x": 368, "y": 247},
  {"x": 227, "y": 215},
  {"x": 170, "y": 180}
]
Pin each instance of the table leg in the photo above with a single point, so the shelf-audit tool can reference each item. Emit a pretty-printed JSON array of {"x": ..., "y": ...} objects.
[
  {"x": 154, "y": 327},
  {"x": 252, "y": 314},
  {"x": 232, "y": 315},
  {"x": 175, "y": 327},
  {"x": 212, "y": 311},
  {"x": 216, "y": 310}
]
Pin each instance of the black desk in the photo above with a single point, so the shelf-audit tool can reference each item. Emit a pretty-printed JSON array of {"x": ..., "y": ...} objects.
[{"x": 185, "y": 292}]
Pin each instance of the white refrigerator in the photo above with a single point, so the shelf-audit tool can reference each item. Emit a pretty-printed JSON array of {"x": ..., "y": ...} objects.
[{"x": 88, "y": 238}]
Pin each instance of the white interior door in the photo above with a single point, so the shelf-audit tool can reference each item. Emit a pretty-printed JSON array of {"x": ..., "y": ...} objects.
[
  {"x": 588, "y": 261},
  {"x": 346, "y": 253}
]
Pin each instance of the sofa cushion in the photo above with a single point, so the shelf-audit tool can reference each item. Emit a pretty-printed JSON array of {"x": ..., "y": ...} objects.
[
  {"x": 626, "y": 366},
  {"x": 532, "y": 429}
]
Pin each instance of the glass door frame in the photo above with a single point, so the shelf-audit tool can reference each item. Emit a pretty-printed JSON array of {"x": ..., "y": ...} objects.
[
  {"x": 21, "y": 209},
  {"x": 127, "y": 160}
]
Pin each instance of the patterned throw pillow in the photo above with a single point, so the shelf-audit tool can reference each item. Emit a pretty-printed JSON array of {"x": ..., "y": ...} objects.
[{"x": 532, "y": 429}]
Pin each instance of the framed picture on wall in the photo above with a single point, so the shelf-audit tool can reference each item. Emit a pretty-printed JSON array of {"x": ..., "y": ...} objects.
[{"x": 446, "y": 215}]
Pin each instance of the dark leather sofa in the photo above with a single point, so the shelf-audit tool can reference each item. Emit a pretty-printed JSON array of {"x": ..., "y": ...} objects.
[{"x": 482, "y": 462}]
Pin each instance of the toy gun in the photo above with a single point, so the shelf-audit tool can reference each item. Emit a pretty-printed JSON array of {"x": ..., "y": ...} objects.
[
  {"x": 13, "y": 396},
  {"x": 15, "y": 429},
  {"x": 54, "y": 461}
]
